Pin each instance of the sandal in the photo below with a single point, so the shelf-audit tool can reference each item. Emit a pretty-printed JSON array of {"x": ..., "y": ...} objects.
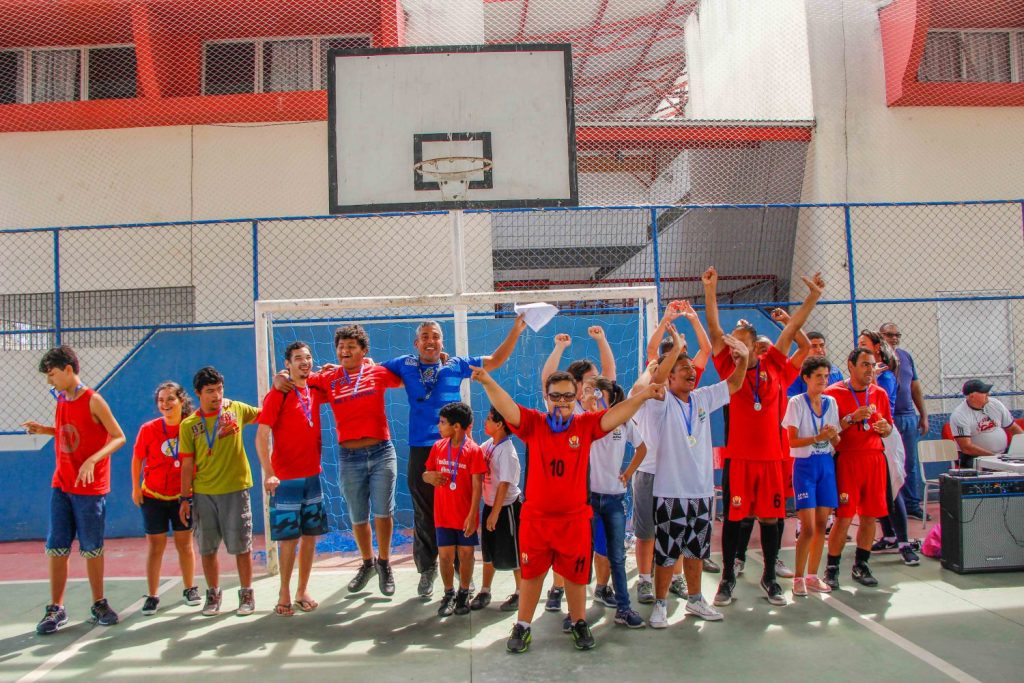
[
  {"x": 284, "y": 610},
  {"x": 307, "y": 605}
]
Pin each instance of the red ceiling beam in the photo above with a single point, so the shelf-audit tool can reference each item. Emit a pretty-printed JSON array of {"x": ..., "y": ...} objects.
[{"x": 668, "y": 136}]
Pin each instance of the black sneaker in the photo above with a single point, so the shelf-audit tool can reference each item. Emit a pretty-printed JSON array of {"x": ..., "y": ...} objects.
[
  {"x": 566, "y": 624},
  {"x": 511, "y": 603},
  {"x": 910, "y": 558},
  {"x": 861, "y": 573},
  {"x": 605, "y": 595},
  {"x": 554, "y": 603},
  {"x": 150, "y": 605},
  {"x": 447, "y": 607},
  {"x": 190, "y": 596},
  {"x": 919, "y": 515},
  {"x": 102, "y": 614},
  {"x": 519, "y": 641},
  {"x": 462, "y": 602},
  {"x": 385, "y": 577},
  {"x": 884, "y": 546},
  {"x": 582, "y": 638},
  {"x": 832, "y": 577},
  {"x": 425, "y": 588},
  {"x": 54, "y": 620},
  {"x": 481, "y": 600},
  {"x": 774, "y": 592},
  {"x": 711, "y": 567},
  {"x": 724, "y": 595},
  {"x": 362, "y": 577}
]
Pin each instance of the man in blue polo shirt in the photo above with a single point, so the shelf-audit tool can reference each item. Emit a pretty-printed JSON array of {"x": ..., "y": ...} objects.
[
  {"x": 817, "y": 349},
  {"x": 910, "y": 426},
  {"x": 430, "y": 384}
]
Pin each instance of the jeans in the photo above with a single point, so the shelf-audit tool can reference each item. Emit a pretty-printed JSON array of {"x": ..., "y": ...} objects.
[
  {"x": 368, "y": 477},
  {"x": 895, "y": 524},
  {"x": 611, "y": 510},
  {"x": 911, "y": 491}
]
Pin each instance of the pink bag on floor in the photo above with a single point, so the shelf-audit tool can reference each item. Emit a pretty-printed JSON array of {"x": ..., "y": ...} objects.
[{"x": 932, "y": 546}]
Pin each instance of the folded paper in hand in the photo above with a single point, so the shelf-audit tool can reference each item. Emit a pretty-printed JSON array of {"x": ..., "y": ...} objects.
[{"x": 536, "y": 315}]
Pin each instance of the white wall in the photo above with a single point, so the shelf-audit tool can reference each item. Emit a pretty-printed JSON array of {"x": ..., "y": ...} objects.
[{"x": 443, "y": 22}]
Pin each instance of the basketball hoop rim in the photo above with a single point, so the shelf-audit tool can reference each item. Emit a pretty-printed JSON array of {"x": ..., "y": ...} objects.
[{"x": 481, "y": 165}]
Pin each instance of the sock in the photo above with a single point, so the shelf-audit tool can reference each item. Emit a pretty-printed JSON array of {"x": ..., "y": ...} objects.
[
  {"x": 645, "y": 577},
  {"x": 463, "y": 590},
  {"x": 833, "y": 561},
  {"x": 382, "y": 561},
  {"x": 245, "y": 588},
  {"x": 485, "y": 589},
  {"x": 524, "y": 624},
  {"x": 696, "y": 597},
  {"x": 862, "y": 556},
  {"x": 730, "y": 539},
  {"x": 746, "y": 529},
  {"x": 782, "y": 532},
  {"x": 903, "y": 544},
  {"x": 770, "y": 548},
  {"x": 600, "y": 585},
  {"x": 676, "y": 577},
  {"x": 661, "y": 601}
]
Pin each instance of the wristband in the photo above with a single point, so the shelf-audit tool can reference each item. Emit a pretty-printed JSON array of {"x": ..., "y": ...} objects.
[{"x": 185, "y": 499}]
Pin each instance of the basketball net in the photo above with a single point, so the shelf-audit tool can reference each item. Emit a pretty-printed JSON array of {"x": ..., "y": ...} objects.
[{"x": 452, "y": 174}]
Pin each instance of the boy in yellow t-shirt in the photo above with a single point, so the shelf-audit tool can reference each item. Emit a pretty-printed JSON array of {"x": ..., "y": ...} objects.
[{"x": 211, "y": 449}]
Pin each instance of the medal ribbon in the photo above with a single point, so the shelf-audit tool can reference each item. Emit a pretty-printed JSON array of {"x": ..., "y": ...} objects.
[
  {"x": 306, "y": 403},
  {"x": 454, "y": 469},
  {"x": 210, "y": 440},
  {"x": 174, "y": 442},
  {"x": 857, "y": 400}
]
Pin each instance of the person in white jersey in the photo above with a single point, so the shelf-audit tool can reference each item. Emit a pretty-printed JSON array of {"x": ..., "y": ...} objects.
[{"x": 981, "y": 424}]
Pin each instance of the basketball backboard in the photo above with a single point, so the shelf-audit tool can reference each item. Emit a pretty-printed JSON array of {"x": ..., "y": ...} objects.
[{"x": 390, "y": 109}]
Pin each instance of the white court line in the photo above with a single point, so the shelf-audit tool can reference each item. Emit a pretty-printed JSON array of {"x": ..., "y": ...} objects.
[{"x": 92, "y": 634}]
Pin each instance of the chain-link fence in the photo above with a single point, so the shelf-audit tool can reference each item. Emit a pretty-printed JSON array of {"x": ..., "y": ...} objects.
[{"x": 948, "y": 275}]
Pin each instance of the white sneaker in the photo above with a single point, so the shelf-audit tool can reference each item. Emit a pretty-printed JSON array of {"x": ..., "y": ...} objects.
[
  {"x": 702, "y": 609},
  {"x": 659, "y": 615},
  {"x": 738, "y": 566},
  {"x": 782, "y": 571}
]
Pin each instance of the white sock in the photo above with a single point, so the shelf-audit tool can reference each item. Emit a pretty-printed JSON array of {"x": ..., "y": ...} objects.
[
  {"x": 524, "y": 624},
  {"x": 645, "y": 577},
  {"x": 676, "y": 576}
]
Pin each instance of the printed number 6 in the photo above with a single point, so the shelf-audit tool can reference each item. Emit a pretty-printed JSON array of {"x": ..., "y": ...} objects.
[{"x": 777, "y": 501}]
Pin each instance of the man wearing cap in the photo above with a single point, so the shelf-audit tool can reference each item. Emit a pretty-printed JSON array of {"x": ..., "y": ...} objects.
[{"x": 980, "y": 424}]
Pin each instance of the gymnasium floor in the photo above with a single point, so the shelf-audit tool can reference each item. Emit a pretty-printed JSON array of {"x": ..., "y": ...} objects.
[{"x": 922, "y": 623}]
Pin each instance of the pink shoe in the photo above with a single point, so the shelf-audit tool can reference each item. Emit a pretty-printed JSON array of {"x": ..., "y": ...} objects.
[
  {"x": 799, "y": 588},
  {"x": 816, "y": 585}
]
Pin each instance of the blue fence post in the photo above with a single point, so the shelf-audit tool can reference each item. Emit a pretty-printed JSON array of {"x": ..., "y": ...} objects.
[
  {"x": 851, "y": 270},
  {"x": 657, "y": 259},
  {"x": 56, "y": 288},
  {"x": 255, "y": 261}
]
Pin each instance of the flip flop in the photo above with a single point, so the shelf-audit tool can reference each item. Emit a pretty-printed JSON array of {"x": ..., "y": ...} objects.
[
  {"x": 307, "y": 605},
  {"x": 284, "y": 610}
]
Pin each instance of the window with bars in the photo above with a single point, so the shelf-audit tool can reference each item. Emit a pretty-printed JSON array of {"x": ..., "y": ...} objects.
[
  {"x": 67, "y": 74},
  {"x": 973, "y": 57},
  {"x": 271, "y": 64}
]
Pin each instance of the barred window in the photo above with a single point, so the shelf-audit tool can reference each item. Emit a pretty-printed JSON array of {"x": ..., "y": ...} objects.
[
  {"x": 973, "y": 57},
  {"x": 67, "y": 74}
]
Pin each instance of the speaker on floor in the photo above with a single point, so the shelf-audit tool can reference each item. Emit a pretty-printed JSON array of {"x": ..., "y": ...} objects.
[{"x": 982, "y": 523}]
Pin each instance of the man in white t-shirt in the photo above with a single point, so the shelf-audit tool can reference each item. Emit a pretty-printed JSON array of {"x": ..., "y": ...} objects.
[
  {"x": 678, "y": 431},
  {"x": 980, "y": 423}
]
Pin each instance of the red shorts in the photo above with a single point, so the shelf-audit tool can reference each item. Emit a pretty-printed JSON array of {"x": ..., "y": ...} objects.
[
  {"x": 756, "y": 488},
  {"x": 860, "y": 477},
  {"x": 563, "y": 543}
]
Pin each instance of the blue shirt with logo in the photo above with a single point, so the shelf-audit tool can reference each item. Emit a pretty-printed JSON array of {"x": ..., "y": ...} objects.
[{"x": 429, "y": 388}]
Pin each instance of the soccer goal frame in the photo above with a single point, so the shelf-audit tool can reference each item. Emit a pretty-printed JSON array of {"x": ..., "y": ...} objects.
[{"x": 458, "y": 306}]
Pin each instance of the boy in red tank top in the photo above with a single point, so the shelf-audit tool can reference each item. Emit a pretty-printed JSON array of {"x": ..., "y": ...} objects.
[{"x": 85, "y": 434}]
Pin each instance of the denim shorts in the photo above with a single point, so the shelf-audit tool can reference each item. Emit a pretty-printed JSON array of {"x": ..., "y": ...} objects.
[
  {"x": 368, "y": 477},
  {"x": 73, "y": 514}
]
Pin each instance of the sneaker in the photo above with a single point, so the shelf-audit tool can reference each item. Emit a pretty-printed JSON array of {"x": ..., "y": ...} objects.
[
  {"x": 861, "y": 573},
  {"x": 724, "y": 595},
  {"x": 447, "y": 607},
  {"x": 102, "y": 614},
  {"x": 246, "y": 602},
  {"x": 919, "y": 515},
  {"x": 910, "y": 558},
  {"x": 605, "y": 595},
  {"x": 701, "y": 608},
  {"x": 53, "y": 620},
  {"x": 831, "y": 578},
  {"x": 659, "y": 615},
  {"x": 362, "y": 577},
  {"x": 425, "y": 588},
  {"x": 884, "y": 546},
  {"x": 782, "y": 571},
  {"x": 190, "y": 596},
  {"x": 800, "y": 586},
  {"x": 212, "y": 605},
  {"x": 738, "y": 566},
  {"x": 519, "y": 641},
  {"x": 582, "y": 638},
  {"x": 554, "y": 603},
  {"x": 678, "y": 587},
  {"x": 567, "y": 624},
  {"x": 711, "y": 567},
  {"x": 385, "y": 578},
  {"x": 774, "y": 592},
  {"x": 644, "y": 592},
  {"x": 816, "y": 585},
  {"x": 480, "y": 601},
  {"x": 628, "y": 617},
  {"x": 462, "y": 602},
  {"x": 511, "y": 603},
  {"x": 150, "y": 605}
]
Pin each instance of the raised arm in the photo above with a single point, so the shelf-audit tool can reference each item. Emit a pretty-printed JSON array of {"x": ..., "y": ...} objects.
[
  {"x": 803, "y": 343},
  {"x": 504, "y": 350},
  {"x": 710, "y": 280},
  {"x": 703, "y": 341},
  {"x": 620, "y": 412},
  {"x": 562, "y": 342},
  {"x": 815, "y": 286},
  {"x": 499, "y": 398},
  {"x": 672, "y": 312},
  {"x": 739, "y": 358},
  {"x": 664, "y": 368},
  {"x": 604, "y": 350}
]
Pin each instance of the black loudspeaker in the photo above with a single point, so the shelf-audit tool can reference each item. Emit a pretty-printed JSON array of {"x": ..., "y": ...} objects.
[{"x": 982, "y": 523}]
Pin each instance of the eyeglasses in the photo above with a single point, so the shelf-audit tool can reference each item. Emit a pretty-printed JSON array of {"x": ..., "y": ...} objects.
[
  {"x": 567, "y": 396},
  {"x": 894, "y": 335}
]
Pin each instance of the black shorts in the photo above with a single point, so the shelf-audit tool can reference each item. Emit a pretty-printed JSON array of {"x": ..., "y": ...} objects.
[
  {"x": 501, "y": 546},
  {"x": 159, "y": 515}
]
